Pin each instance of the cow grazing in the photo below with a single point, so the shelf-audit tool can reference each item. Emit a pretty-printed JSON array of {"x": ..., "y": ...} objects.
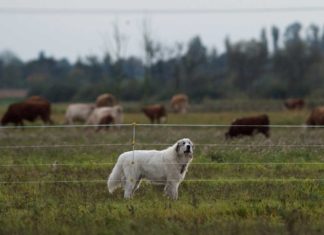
[
  {"x": 36, "y": 98},
  {"x": 106, "y": 100},
  {"x": 28, "y": 110},
  {"x": 180, "y": 103},
  {"x": 155, "y": 112},
  {"x": 249, "y": 126},
  {"x": 78, "y": 113},
  {"x": 105, "y": 120},
  {"x": 101, "y": 113},
  {"x": 316, "y": 117},
  {"x": 294, "y": 104}
]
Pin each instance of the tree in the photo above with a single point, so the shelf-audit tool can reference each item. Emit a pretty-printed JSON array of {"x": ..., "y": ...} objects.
[
  {"x": 246, "y": 61},
  {"x": 275, "y": 38}
]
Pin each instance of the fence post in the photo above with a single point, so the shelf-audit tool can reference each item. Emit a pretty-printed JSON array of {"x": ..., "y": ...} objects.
[{"x": 133, "y": 140}]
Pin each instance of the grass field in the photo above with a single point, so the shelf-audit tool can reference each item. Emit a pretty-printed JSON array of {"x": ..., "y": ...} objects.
[{"x": 243, "y": 186}]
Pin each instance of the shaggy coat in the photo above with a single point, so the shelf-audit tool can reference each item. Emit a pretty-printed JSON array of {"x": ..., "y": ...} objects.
[
  {"x": 249, "y": 126},
  {"x": 155, "y": 112},
  {"x": 28, "y": 110},
  {"x": 167, "y": 167},
  {"x": 78, "y": 113},
  {"x": 293, "y": 104},
  {"x": 316, "y": 117},
  {"x": 180, "y": 103}
]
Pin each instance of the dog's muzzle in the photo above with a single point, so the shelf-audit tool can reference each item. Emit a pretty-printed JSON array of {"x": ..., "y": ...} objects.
[{"x": 188, "y": 149}]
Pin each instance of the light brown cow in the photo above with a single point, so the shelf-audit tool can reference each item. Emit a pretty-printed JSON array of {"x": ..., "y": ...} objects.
[
  {"x": 294, "y": 103},
  {"x": 104, "y": 122},
  {"x": 155, "y": 112},
  {"x": 78, "y": 113},
  {"x": 101, "y": 113},
  {"x": 316, "y": 117},
  {"x": 106, "y": 100},
  {"x": 180, "y": 103}
]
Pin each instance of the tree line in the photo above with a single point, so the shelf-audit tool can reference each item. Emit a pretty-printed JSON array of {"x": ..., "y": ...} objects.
[{"x": 276, "y": 65}]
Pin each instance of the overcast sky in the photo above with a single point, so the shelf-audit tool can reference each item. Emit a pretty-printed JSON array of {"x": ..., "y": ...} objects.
[{"x": 79, "y": 35}]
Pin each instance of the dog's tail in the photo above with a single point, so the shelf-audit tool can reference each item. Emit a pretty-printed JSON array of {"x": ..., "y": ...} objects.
[{"x": 115, "y": 177}]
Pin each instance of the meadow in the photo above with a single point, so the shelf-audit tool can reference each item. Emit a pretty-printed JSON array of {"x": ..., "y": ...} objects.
[{"x": 55, "y": 182}]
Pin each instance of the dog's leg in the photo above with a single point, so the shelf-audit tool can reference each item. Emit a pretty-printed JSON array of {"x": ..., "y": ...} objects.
[
  {"x": 129, "y": 189},
  {"x": 137, "y": 184},
  {"x": 172, "y": 190}
]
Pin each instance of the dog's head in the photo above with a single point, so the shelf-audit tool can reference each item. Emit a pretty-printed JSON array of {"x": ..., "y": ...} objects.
[{"x": 184, "y": 147}]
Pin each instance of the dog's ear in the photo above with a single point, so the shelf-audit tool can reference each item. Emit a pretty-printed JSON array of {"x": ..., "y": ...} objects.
[{"x": 177, "y": 147}]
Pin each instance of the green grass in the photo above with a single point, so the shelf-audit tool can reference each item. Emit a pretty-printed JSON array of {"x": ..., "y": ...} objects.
[{"x": 252, "y": 188}]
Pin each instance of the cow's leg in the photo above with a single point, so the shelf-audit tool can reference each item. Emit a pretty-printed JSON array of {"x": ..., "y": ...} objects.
[
  {"x": 44, "y": 118},
  {"x": 20, "y": 123}
]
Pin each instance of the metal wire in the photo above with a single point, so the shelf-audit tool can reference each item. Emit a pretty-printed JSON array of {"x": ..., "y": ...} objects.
[
  {"x": 152, "y": 11},
  {"x": 159, "y": 144},
  {"x": 227, "y": 180},
  {"x": 193, "y": 163},
  {"x": 66, "y": 126},
  {"x": 61, "y": 146},
  {"x": 158, "y": 125}
]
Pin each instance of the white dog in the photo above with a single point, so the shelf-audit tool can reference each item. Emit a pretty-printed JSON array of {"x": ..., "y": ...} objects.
[{"x": 167, "y": 167}]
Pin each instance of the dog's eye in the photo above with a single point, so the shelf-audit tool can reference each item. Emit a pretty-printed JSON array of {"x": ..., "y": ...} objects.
[{"x": 183, "y": 143}]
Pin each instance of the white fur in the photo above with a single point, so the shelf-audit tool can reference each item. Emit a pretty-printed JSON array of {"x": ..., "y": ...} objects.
[
  {"x": 78, "y": 112},
  {"x": 167, "y": 167}
]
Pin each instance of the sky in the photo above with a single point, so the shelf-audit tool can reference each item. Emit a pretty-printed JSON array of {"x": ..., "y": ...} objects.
[{"x": 73, "y": 36}]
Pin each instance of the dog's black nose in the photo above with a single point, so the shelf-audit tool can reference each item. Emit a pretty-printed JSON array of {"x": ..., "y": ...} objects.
[{"x": 188, "y": 147}]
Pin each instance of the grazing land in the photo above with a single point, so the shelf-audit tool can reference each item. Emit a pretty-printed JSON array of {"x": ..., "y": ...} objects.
[{"x": 55, "y": 182}]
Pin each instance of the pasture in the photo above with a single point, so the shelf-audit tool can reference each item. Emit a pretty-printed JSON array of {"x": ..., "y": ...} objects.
[{"x": 55, "y": 183}]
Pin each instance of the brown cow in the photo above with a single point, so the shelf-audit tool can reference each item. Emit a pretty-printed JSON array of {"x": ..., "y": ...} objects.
[
  {"x": 155, "y": 112},
  {"x": 180, "y": 103},
  {"x": 106, "y": 100},
  {"x": 28, "y": 110},
  {"x": 249, "y": 126},
  {"x": 294, "y": 104},
  {"x": 36, "y": 98},
  {"x": 316, "y": 117}
]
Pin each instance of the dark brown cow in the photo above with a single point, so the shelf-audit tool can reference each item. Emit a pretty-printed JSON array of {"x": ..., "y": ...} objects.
[
  {"x": 249, "y": 126},
  {"x": 28, "y": 110},
  {"x": 316, "y": 117},
  {"x": 294, "y": 104},
  {"x": 155, "y": 112}
]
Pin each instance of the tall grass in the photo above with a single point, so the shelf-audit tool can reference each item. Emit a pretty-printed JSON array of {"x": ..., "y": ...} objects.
[{"x": 253, "y": 185}]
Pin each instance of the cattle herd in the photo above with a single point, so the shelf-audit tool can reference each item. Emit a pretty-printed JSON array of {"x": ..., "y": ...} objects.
[{"x": 106, "y": 110}]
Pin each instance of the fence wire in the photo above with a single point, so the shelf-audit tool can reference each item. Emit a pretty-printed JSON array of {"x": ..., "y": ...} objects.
[
  {"x": 134, "y": 143},
  {"x": 157, "y": 125},
  {"x": 159, "y": 144},
  {"x": 193, "y": 163},
  {"x": 225, "y": 180}
]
